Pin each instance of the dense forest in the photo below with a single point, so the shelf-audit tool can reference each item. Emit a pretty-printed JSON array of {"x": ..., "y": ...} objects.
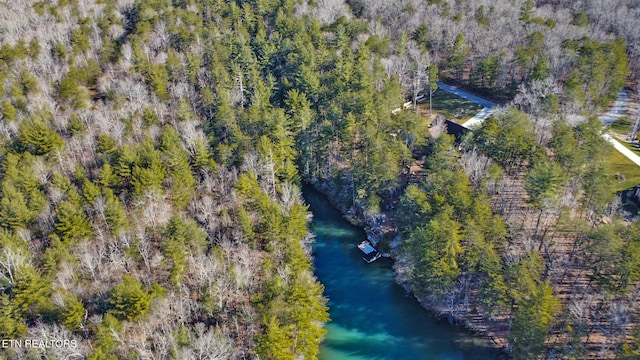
[{"x": 152, "y": 153}]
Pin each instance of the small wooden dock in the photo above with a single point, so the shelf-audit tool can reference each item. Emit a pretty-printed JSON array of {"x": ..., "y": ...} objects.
[{"x": 370, "y": 253}]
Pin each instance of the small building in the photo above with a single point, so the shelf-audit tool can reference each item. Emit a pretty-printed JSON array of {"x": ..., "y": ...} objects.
[
  {"x": 455, "y": 129},
  {"x": 370, "y": 253}
]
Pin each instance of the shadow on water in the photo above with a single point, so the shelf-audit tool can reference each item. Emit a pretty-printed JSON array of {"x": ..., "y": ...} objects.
[{"x": 371, "y": 316}]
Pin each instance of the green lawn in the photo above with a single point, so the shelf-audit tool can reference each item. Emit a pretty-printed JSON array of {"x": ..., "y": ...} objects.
[
  {"x": 623, "y": 169},
  {"x": 623, "y": 125},
  {"x": 451, "y": 106}
]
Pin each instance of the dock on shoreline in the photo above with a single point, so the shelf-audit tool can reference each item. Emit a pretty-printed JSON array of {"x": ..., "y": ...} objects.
[{"x": 370, "y": 253}]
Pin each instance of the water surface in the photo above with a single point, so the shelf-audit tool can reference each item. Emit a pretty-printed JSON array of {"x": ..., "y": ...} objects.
[{"x": 371, "y": 316}]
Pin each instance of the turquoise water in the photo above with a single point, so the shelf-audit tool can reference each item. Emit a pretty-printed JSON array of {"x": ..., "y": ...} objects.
[{"x": 371, "y": 316}]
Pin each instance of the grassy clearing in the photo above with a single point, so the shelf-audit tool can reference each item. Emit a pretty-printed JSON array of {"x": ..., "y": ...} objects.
[
  {"x": 624, "y": 173},
  {"x": 451, "y": 106},
  {"x": 623, "y": 125}
]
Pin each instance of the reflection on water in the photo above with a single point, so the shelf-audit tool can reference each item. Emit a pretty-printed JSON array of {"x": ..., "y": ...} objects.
[{"x": 371, "y": 316}]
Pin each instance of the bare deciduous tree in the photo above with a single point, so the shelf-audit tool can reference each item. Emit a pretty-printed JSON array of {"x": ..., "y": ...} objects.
[{"x": 475, "y": 166}]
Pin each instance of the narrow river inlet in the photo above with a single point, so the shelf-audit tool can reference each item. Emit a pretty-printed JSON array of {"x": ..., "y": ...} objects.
[{"x": 371, "y": 316}]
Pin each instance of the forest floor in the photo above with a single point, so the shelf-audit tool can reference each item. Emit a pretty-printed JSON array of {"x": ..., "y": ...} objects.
[
  {"x": 566, "y": 273},
  {"x": 602, "y": 318}
]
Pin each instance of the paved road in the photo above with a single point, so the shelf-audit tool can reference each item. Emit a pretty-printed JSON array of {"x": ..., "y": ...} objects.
[
  {"x": 467, "y": 95},
  {"x": 487, "y": 106},
  {"x": 617, "y": 110}
]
